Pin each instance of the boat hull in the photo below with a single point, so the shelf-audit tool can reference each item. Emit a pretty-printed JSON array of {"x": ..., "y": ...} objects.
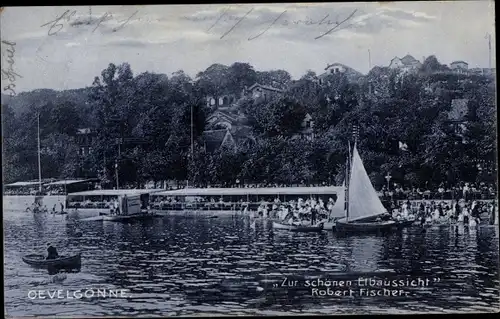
[
  {"x": 405, "y": 223},
  {"x": 295, "y": 228},
  {"x": 344, "y": 226},
  {"x": 281, "y": 226},
  {"x": 39, "y": 261},
  {"x": 127, "y": 218}
]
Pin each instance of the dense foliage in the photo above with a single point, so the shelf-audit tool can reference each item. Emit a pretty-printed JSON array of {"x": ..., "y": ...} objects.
[{"x": 145, "y": 123}]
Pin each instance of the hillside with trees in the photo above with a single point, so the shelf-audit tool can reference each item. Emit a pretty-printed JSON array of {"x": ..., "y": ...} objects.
[{"x": 143, "y": 125}]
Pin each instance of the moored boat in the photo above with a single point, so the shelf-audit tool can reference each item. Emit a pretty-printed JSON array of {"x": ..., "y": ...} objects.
[
  {"x": 405, "y": 223},
  {"x": 106, "y": 201},
  {"x": 130, "y": 217},
  {"x": 298, "y": 228},
  {"x": 277, "y": 225},
  {"x": 308, "y": 229},
  {"x": 343, "y": 225},
  {"x": 37, "y": 260}
]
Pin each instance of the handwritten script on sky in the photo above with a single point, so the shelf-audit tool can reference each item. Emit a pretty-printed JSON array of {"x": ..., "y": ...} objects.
[
  {"x": 65, "y": 47},
  {"x": 68, "y": 17},
  {"x": 73, "y": 18},
  {"x": 281, "y": 20}
]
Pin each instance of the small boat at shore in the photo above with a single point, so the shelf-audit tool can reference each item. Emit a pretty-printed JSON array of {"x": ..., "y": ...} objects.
[
  {"x": 130, "y": 217},
  {"x": 299, "y": 228},
  {"x": 344, "y": 226},
  {"x": 405, "y": 223},
  {"x": 37, "y": 260}
]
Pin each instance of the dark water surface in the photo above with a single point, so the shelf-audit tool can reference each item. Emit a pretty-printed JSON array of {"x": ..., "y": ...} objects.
[{"x": 187, "y": 266}]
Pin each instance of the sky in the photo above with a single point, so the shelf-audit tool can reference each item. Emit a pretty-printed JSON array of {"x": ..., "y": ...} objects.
[{"x": 66, "y": 47}]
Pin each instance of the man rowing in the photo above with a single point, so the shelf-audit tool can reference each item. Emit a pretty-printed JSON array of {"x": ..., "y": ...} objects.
[{"x": 51, "y": 252}]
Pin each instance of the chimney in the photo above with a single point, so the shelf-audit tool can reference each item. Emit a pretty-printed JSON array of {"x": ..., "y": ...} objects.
[{"x": 423, "y": 59}]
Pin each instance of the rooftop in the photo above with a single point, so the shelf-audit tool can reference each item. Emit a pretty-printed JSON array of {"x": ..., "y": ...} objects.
[
  {"x": 408, "y": 60},
  {"x": 304, "y": 191},
  {"x": 265, "y": 87},
  {"x": 116, "y": 192},
  {"x": 83, "y": 131},
  {"x": 23, "y": 184},
  {"x": 71, "y": 181},
  {"x": 455, "y": 62},
  {"x": 214, "y": 138}
]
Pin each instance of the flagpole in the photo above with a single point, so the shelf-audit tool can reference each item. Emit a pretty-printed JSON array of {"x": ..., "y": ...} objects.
[
  {"x": 489, "y": 50},
  {"x": 369, "y": 60},
  {"x": 192, "y": 143},
  {"x": 39, "y": 158},
  {"x": 348, "y": 169}
]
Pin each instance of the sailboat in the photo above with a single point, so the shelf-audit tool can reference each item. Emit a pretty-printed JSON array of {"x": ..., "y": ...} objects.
[{"x": 363, "y": 206}]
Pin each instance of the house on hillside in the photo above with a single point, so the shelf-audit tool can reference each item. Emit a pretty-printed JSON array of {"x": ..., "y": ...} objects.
[
  {"x": 221, "y": 101},
  {"x": 85, "y": 138},
  {"x": 215, "y": 139},
  {"x": 234, "y": 123},
  {"x": 458, "y": 116},
  {"x": 483, "y": 71},
  {"x": 307, "y": 128},
  {"x": 262, "y": 92},
  {"x": 405, "y": 64},
  {"x": 459, "y": 66},
  {"x": 222, "y": 119},
  {"x": 339, "y": 68}
]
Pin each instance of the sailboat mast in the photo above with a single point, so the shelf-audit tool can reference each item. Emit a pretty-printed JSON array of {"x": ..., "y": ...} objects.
[{"x": 39, "y": 161}]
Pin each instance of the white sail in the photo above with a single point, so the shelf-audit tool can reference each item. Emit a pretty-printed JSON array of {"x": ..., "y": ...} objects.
[
  {"x": 338, "y": 210},
  {"x": 363, "y": 199}
]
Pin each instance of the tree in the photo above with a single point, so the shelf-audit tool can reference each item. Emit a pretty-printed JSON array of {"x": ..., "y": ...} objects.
[
  {"x": 431, "y": 65},
  {"x": 281, "y": 117},
  {"x": 214, "y": 80},
  {"x": 279, "y": 79}
]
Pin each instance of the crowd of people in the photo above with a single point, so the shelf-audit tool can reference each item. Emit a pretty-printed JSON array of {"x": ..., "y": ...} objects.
[
  {"x": 468, "y": 212},
  {"x": 462, "y": 190},
  {"x": 296, "y": 212},
  {"x": 313, "y": 211}
]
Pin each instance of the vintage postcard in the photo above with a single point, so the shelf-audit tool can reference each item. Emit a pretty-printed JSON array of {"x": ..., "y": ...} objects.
[{"x": 250, "y": 159}]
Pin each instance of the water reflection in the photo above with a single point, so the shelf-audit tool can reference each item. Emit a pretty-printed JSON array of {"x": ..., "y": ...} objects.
[{"x": 176, "y": 265}]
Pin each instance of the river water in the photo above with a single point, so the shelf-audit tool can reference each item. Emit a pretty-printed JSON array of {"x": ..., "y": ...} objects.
[{"x": 174, "y": 266}]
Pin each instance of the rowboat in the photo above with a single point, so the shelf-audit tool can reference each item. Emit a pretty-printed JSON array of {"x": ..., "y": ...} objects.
[
  {"x": 405, "y": 223},
  {"x": 125, "y": 218},
  {"x": 364, "y": 210},
  {"x": 61, "y": 262},
  {"x": 344, "y": 226},
  {"x": 298, "y": 228},
  {"x": 308, "y": 229},
  {"x": 282, "y": 226}
]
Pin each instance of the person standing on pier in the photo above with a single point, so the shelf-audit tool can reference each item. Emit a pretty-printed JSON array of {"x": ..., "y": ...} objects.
[
  {"x": 314, "y": 213},
  {"x": 125, "y": 204},
  {"x": 116, "y": 205}
]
